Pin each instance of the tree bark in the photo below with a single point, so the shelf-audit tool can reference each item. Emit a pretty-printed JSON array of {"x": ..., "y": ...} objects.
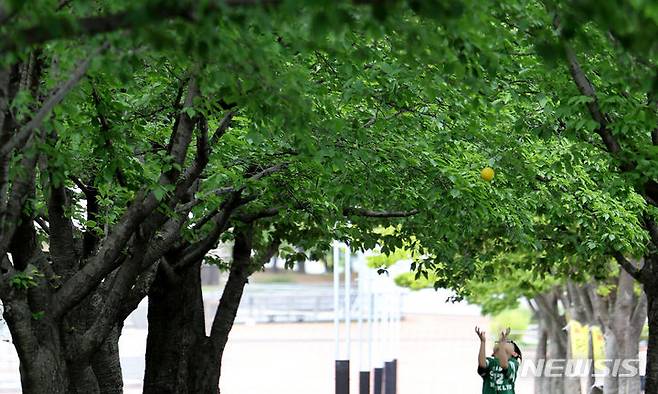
[
  {"x": 42, "y": 367},
  {"x": 106, "y": 364},
  {"x": 180, "y": 358},
  {"x": 612, "y": 347},
  {"x": 176, "y": 329},
  {"x": 622, "y": 334},
  {"x": 541, "y": 384},
  {"x": 556, "y": 341}
]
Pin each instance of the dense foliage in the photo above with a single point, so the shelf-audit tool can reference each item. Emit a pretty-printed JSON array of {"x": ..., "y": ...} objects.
[{"x": 135, "y": 137}]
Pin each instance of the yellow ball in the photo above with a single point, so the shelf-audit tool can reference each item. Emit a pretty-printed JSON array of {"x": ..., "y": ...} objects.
[{"x": 487, "y": 174}]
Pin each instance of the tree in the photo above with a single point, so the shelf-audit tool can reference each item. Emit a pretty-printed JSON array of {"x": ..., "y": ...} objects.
[
  {"x": 122, "y": 178},
  {"x": 615, "y": 87},
  {"x": 221, "y": 121}
]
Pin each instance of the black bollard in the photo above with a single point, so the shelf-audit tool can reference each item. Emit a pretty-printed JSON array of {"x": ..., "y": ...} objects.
[
  {"x": 364, "y": 382},
  {"x": 395, "y": 375},
  {"x": 389, "y": 378},
  {"x": 342, "y": 376},
  {"x": 379, "y": 380}
]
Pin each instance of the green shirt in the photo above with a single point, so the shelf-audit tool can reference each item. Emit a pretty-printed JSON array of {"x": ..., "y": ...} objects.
[{"x": 496, "y": 379}]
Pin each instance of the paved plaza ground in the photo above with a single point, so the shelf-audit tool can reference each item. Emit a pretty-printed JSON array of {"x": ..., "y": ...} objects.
[{"x": 437, "y": 355}]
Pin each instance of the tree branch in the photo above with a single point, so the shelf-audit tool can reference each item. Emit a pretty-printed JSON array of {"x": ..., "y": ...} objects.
[
  {"x": 62, "y": 249},
  {"x": 599, "y": 306},
  {"x": 268, "y": 171},
  {"x": 105, "y": 130},
  {"x": 651, "y": 226},
  {"x": 220, "y": 222},
  {"x": 105, "y": 259},
  {"x": 88, "y": 26},
  {"x": 105, "y": 319},
  {"x": 138, "y": 292},
  {"x": 224, "y": 125},
  {"x": 55, "y": 98},
  {"x": 43, "y": 224},
  {"x": 252, "y": 217},
  {"x": 232, "y": 294},
  {"x": 353, "y": 211},
  {"x": 635, "y": 272},
  {"x": 21, "y": 187},
  {"x": 587, "y": 89}
]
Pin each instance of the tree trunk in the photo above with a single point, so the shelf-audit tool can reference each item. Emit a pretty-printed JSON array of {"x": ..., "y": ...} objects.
[
  {"x": 572, "y": 384},
  {"x": 44, "y": 374},
  {"x": 301, "y": 267},
  {"x": 628, "y": 382},
  {"x": 176, "y": 329},
  {"x": 42, "y": 367},
  {"x": 591, "y": 355},
  {"x": 82, "y": 379},
  {"x": 623, "y": 329},
  {"x": 275, "y": 260},
  {"x": 552, "y": 323},
  {"x": 106, "y": 364},
  {"x": 541, "y": 384},
  {"x": 557, "y": 339},
  {"x": 611, "y": 383},
  {"x": 180, "y": 358}
]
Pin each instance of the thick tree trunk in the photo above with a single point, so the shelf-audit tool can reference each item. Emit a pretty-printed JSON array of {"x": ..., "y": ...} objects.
[
  {"x": 180, "y": 358},
  {"x": 42, "y": 367},
  {"x": 612, "y": 346},
  {"x": 207, "y": 369},
  {"x": 572, "y": 384},
  {"x": 176, "y": 330},
  {"x": 556, "y": 339},
  {"x": 557, "y": 342},
  {"x": 541, "y": 384},
  {"x": 622, "y": 336},
  {"x": 106, "y": 364},
  {"x": 82, "y": 379},
  {"x": 44, "y": 374},
  {"x": 622, "y": 343}
]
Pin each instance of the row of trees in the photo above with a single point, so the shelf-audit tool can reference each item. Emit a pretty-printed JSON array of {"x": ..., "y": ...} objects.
[
  {"x": 615, "y": 304},
  {"x": 135, "y": 137}
]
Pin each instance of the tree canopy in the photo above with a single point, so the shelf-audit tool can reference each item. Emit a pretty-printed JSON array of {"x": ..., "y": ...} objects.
[{"x": 136, "y": 136}]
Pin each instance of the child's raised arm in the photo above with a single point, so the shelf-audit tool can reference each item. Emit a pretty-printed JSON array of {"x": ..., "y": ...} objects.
[{"x": 482, "y": 358}]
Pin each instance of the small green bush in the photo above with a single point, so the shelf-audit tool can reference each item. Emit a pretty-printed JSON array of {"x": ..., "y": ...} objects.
[{"x": 409, "y": 280}]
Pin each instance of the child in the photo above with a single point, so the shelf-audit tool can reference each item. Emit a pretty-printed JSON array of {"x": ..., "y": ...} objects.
[{"x": 498, "y": 371}]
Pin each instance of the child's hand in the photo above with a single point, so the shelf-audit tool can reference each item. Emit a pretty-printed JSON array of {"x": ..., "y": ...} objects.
[
  {"x": 504, "y": 335},
  {"x": 481, "y": 334}
]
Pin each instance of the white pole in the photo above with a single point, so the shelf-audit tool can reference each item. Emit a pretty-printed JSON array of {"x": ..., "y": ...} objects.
[
  {"x": 336, "y": 302},
  {"x": 389, "y": 326},
  {"x": 380, "y": 325},
  {"x": 361, "y": 298},
  {"x": 398, "y": 323},
  {"x": 371, "y": 308},
  {"x": 348, "y": 296}
]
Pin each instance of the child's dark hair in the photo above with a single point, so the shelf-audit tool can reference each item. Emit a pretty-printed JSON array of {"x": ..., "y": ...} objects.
[{"x": 517, "y": 350}]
